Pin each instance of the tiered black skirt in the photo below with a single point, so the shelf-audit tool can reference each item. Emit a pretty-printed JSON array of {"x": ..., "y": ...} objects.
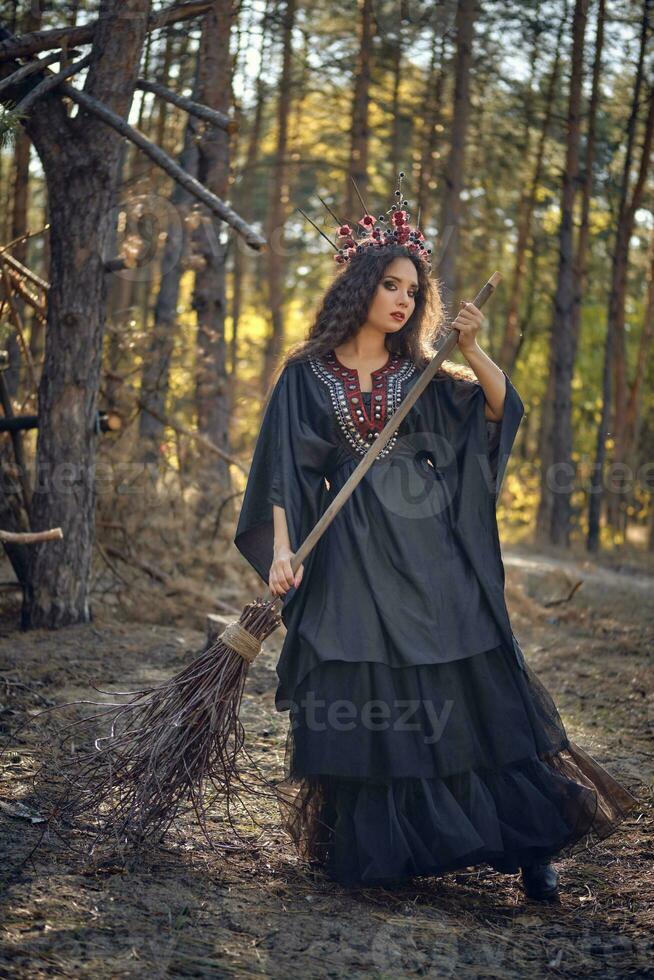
[{"x": 396, "y": 772}]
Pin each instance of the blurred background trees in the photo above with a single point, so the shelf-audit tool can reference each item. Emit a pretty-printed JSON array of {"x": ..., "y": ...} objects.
[{"x": 525, "y": 133}]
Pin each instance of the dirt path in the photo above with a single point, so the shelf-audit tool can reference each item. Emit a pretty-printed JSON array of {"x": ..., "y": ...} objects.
[{"x": 188, "y": 912}]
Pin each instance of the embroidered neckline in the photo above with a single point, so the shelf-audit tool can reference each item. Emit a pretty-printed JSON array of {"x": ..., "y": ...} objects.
[
  {"x": 358, "y": 424},
  {"x": 344, "y": 367},
  {"x": 360, "y": 413}
]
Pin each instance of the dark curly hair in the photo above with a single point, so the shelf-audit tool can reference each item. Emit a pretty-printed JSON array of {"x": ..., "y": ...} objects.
[{"x": 345, "y": 304}]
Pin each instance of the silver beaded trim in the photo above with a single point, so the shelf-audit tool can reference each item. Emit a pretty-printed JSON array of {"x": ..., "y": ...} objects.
[{"x": 336, "y": 386}]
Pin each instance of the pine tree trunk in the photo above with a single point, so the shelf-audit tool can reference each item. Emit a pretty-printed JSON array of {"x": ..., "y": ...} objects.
[
  {"x": 587, "y": 188},
  {"x": 562, "y": 342},
  {"x": 215, "y": 89},
  {"x": 80, "y": 158},
  {"x": 64, "y": 493},
  {"x": 275, "y": 265},
  {"x": 359, "y": 135},
  {"x": 617, "y": 499},
  {"x": 455, "y": 170},
  {"x": 398, "y": 146},
  {"x": 19, "y": 251},
  {"x": 433, "y": 98},
  {"x": 511, "y": 340},
  {"x": 614, "y": 341},
  {"x": 31, "y": 22},
  {"x": 634, "y": 405},
  {"x": 633, "y": 414},
  {"x": 246, "y": 185},
  {"x": 155, "y": 376}
]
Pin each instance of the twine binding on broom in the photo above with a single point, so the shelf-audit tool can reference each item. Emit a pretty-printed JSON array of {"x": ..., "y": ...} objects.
[{"x": 241, "y": 640}]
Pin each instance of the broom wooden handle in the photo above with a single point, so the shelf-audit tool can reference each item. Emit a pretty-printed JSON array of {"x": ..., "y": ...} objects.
[{"x": 385, "y": 435}]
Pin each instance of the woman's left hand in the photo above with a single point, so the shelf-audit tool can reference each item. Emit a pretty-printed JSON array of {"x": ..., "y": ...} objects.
[{"x": 468, "y": 322}]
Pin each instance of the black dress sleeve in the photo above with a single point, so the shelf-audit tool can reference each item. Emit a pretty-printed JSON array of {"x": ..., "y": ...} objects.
[
  {"x": 482, "y": 450},
  {"x": 491, "y": 442},
  {"x": 287, "y": 469}
]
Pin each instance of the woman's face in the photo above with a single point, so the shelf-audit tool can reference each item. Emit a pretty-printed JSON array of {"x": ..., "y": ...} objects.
[{"x": 394, "y": 299}]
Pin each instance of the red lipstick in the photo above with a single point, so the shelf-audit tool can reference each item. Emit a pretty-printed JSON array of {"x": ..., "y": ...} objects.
[{"x": 398, "y": 316}]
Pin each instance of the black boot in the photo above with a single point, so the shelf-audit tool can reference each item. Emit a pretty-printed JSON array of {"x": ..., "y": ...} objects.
[{"x": 540, "y": 880}]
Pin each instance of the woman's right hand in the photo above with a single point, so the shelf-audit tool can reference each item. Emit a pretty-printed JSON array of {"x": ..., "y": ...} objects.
[{"x": 280, "y": 579}]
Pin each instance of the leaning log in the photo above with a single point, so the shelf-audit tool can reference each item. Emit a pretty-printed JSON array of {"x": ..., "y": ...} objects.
[
  {"x": 64, "y": 37},
  {"x": 193, "y": 108},
  {"x": 31, "y": 537},
  {"x": 106, "y": 422}
]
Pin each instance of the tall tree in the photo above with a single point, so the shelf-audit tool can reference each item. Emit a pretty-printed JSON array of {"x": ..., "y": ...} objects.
[
  {"x": 80, "y": 157},
  {"x": 634, "y": 404},
  {"x": 455, "y": 169},
  {"x": 215, "y": 89},
  {"x": 583, "y": 243},
  {"x": 31, "y": 22},
  {"x": 555, "y": 492},
  {"x": 155, "y": 375},
  {"x": 398, "y": 147},
  {"x": 359, "y": 133},
  {"x": 246, "y": 184},
  {"x": 278, "y": 200},
  {"x": 614, "y": 348},
  {"x": 432, "y": 118},
  {"x": 527, "y": 202}
]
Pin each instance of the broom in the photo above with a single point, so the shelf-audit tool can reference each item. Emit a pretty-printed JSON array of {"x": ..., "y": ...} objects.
[{"x": 167, "y": 745}]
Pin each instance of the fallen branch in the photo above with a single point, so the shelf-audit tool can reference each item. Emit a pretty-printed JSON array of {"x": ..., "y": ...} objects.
[
  {"x": 18, "y": 283},
  {"x": 26, "y": 70},
  {"x": 104, "y": 422},
  {"x": 112, "y": 568},
  {"x": 219, "y": 119},
  {"x": 171, "y": 584},
  {"x": 63, "y": 37},
  {"x": 48, "y": 83},
  {"x": 17, "y": 809},
  {"x": 31, "y": 537},
  {"x": 563, "y": 599},
  {"x": 156, "y": 154},
  {"x": 23, "y": 238},
  {"x": 168, "y": 165},
  {"x": 196, "y": 436},
  {"x": 18, "y": 324},
  {"x": 19, "y": 423},
  {"x": 176, "y": 427}
]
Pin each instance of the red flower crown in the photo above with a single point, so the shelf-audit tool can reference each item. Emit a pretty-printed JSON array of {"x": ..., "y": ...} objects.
[{"x": 372, "y": 233}]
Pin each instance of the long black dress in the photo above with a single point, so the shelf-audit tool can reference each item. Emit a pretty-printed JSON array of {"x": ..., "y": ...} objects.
[{"x": 419, "y": 739}]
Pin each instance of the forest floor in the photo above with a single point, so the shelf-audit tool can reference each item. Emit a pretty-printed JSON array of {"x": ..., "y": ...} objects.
[{"x": 187, "y": 911}]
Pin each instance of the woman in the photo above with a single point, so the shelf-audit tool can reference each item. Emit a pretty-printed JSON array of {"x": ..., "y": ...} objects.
[{"x": 419, "y": 740}]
